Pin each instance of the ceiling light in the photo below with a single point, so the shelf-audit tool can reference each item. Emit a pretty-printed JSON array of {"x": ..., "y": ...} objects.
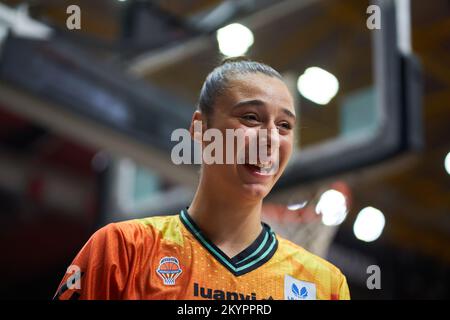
[
  {"x": 318, "y": 85},
  {"x": 234, "y": 39},
  {"x": 447, "y": 163},
  {"x": 369, "y": 224},
  {"x": 332, "y": 205},
  {"x": 297, "y": 206}
]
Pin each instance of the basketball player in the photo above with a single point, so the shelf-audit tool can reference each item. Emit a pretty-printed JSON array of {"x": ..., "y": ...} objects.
[{"x": 217, "y": 248}]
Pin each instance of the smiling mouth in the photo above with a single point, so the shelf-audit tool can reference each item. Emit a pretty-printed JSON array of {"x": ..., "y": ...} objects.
[{"x": 262, "y": 169}]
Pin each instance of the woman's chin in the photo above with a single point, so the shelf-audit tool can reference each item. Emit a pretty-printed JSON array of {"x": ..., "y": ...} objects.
[{"x": 255, "y": 191}]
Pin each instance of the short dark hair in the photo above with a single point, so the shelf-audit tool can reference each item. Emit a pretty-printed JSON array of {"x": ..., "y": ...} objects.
[{"x": 217, "y": 80}]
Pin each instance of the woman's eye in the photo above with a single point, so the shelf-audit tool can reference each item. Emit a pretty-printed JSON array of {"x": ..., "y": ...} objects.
[
  {"x": 250, "y": 117},
  {"x": 286, "y": 125}
]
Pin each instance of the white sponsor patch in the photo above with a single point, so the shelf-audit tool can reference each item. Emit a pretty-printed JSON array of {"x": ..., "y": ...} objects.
[{"x": 295, "y": 289}]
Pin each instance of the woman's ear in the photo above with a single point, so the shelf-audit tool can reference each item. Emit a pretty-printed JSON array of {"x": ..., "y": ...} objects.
[{"x": 197, "y": 126}]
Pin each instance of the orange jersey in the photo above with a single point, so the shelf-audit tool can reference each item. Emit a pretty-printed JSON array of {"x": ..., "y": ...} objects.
[{"x": 168, "y": 257}]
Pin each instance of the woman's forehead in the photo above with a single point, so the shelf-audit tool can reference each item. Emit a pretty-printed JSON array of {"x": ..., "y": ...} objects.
[{"x": 258, "y": 86}]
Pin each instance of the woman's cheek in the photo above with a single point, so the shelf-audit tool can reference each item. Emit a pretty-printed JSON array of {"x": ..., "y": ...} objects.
[
  {"x": 250, "y": 135},
  {"x": 286, "y": 149}
]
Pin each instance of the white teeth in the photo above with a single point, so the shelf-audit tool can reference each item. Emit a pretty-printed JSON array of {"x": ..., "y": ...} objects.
[{"x": 264, "y": 165}]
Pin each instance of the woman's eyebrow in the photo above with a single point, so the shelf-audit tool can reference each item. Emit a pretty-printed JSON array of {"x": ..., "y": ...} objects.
[
  {"x": 257, "y": 102},
  {"x": 254, "y": 102},
  {"x": 289, "y": 114}
]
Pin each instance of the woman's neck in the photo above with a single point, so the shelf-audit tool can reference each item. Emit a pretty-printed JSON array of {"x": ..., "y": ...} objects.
[{"x": 230, "y": 224}]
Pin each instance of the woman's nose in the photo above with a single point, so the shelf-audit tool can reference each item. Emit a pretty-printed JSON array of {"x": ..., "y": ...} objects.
[{"x": 269, "y": 137}]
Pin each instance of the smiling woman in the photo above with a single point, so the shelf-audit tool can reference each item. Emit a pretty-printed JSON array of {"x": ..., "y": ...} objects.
[
  {"x": 218, "y": 247},
  {"x": 251, "y": 97}
]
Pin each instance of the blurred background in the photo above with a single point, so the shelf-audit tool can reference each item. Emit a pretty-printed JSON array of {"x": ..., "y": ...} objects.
[{"x": 90, "y": 92}]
